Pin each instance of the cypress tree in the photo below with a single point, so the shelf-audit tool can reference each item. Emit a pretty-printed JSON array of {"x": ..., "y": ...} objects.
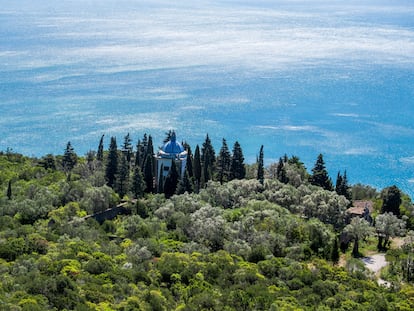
[
  {"x": 341, "y": 185},
  {"x": 138, "y": 183},
  {"x": 237, "y": 168},
  {"x": 197, "y": 168},
  {"x": 189, "y": 164},
  {"x": 260, "y": 166},
  {"x": 320, "y": 175},
  {"x": 335, "y": 252},
  {"x": 391, "y": 197},
  {"x": 223, "y": 163},
  {"x": 338, "y": 184},
  {"x": 112, "y": 163},
  {"x": 185, "y": 184},
  {"x": 122, "y": 178},
  {"x": 139, "y": 154},
  {"x": 345, "y": 187},
  {"x": 208, "y": 157},
  {"x": 99, "y": 153},
  {"x": 149, "y": 174},
  {"x": 171, "y": 181},
  {"x": 161, "y": 180},
  {"x": 9, "y": 190},
  {"x": 281, "y": 171},
  {"x": 127, "y": 148},
  {"x": 150, "y": 147}
]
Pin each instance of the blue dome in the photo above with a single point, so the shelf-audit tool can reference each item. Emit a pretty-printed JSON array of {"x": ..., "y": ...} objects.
[{"x": 172, "y": 146}]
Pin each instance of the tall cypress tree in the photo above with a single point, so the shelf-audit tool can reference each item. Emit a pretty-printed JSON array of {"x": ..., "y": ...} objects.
[
  {"x": 223, "y": 163},
  {"x": 161, "y": 180},
  {"x": 320, "y": 175},
  {"x": 138, "y": 183},
  {"x": 335, "y": 252},
  {"x": 127, "y": 148},
  {"x": 208, "y": 157},
  {"x": 189, "y": 164},
  {"x": 341, "y": 185},
  {"x": 9, "y": 190},
  {"x": 99, "y": 153},
  {"x": 112, "y": 163},
  {"x": 281, "y": 171},
  {"x": 139, "y": 155},
  {"x": 171, "y": 181},
  {"x": 150, "y": 147},
  {"x": 237, "y": 170},
  {"x": 149, "y": 174},
  {"x": 391, "y": 197},
  {"x": 260, "y": 166},
  {"x": 197, "y": 168},
  {"x": 185, "y": 184},
  {"x": 122, "y": 178}
]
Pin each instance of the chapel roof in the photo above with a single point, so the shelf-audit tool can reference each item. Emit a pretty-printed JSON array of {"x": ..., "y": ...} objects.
[{"x": 172, "y": 146}]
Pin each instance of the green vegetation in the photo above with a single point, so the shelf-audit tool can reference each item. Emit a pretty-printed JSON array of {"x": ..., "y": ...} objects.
[{"x": 211, "y": 240}]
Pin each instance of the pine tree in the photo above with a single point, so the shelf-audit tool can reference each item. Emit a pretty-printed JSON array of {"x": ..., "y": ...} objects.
[
  {"x": 197, "y": 168},
  {"x": 112, "y": 163},
  {"x": 237, "y": 168},
  {"x": 223, "y": 163},
  {"x": 149, "y": 174},
  {"x": 260, "y": 166},
  {"x": 138, "y": 183},
  {"x": 320, "y": 175},
  {"x": 69, "y": 159},
  {"x": 171, "y": 182},
  {"x": 168, "y": 136},
  {"x": 9, "y": 190},
  {"x": 99, "y": 154}
]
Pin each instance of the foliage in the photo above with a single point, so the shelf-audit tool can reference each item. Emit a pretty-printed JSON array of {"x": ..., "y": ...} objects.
[
  {"x": 239, "y": 245},
  {"x": 388, "y": 225},
  {"x": 391, "y": 197},
  {"x": 358, "y": 230},
  {"x": 320, "y": 175}
]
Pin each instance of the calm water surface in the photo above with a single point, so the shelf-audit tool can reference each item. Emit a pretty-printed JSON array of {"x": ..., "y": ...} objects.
[{"x": 299, "y": 77}]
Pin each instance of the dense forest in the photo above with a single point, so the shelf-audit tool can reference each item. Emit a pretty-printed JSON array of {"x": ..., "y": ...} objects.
[{"x": 224, "y": 235}]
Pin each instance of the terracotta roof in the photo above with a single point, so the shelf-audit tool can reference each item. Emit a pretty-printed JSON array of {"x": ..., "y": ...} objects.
[{"x": 359, "y": 206}]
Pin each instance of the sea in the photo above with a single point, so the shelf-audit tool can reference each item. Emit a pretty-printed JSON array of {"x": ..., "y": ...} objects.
[{"x": 300, "y": 77}]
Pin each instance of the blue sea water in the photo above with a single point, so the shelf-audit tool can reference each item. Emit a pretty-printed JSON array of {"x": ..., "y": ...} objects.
[{"x": 300, "y": 77}]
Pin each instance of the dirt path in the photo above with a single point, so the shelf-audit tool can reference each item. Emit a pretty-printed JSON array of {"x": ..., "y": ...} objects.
[{"x": 375, "y": 263}]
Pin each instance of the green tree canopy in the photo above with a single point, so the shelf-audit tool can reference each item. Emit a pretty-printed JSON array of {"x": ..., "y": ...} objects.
[
  {"x": 320, "y": 175},
  {"x": 391, "y": 197},
  {"x": 237, "y": 168}
]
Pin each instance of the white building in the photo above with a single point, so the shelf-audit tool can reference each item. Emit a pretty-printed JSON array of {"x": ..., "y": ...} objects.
[{"x": 171, "y": 151}]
